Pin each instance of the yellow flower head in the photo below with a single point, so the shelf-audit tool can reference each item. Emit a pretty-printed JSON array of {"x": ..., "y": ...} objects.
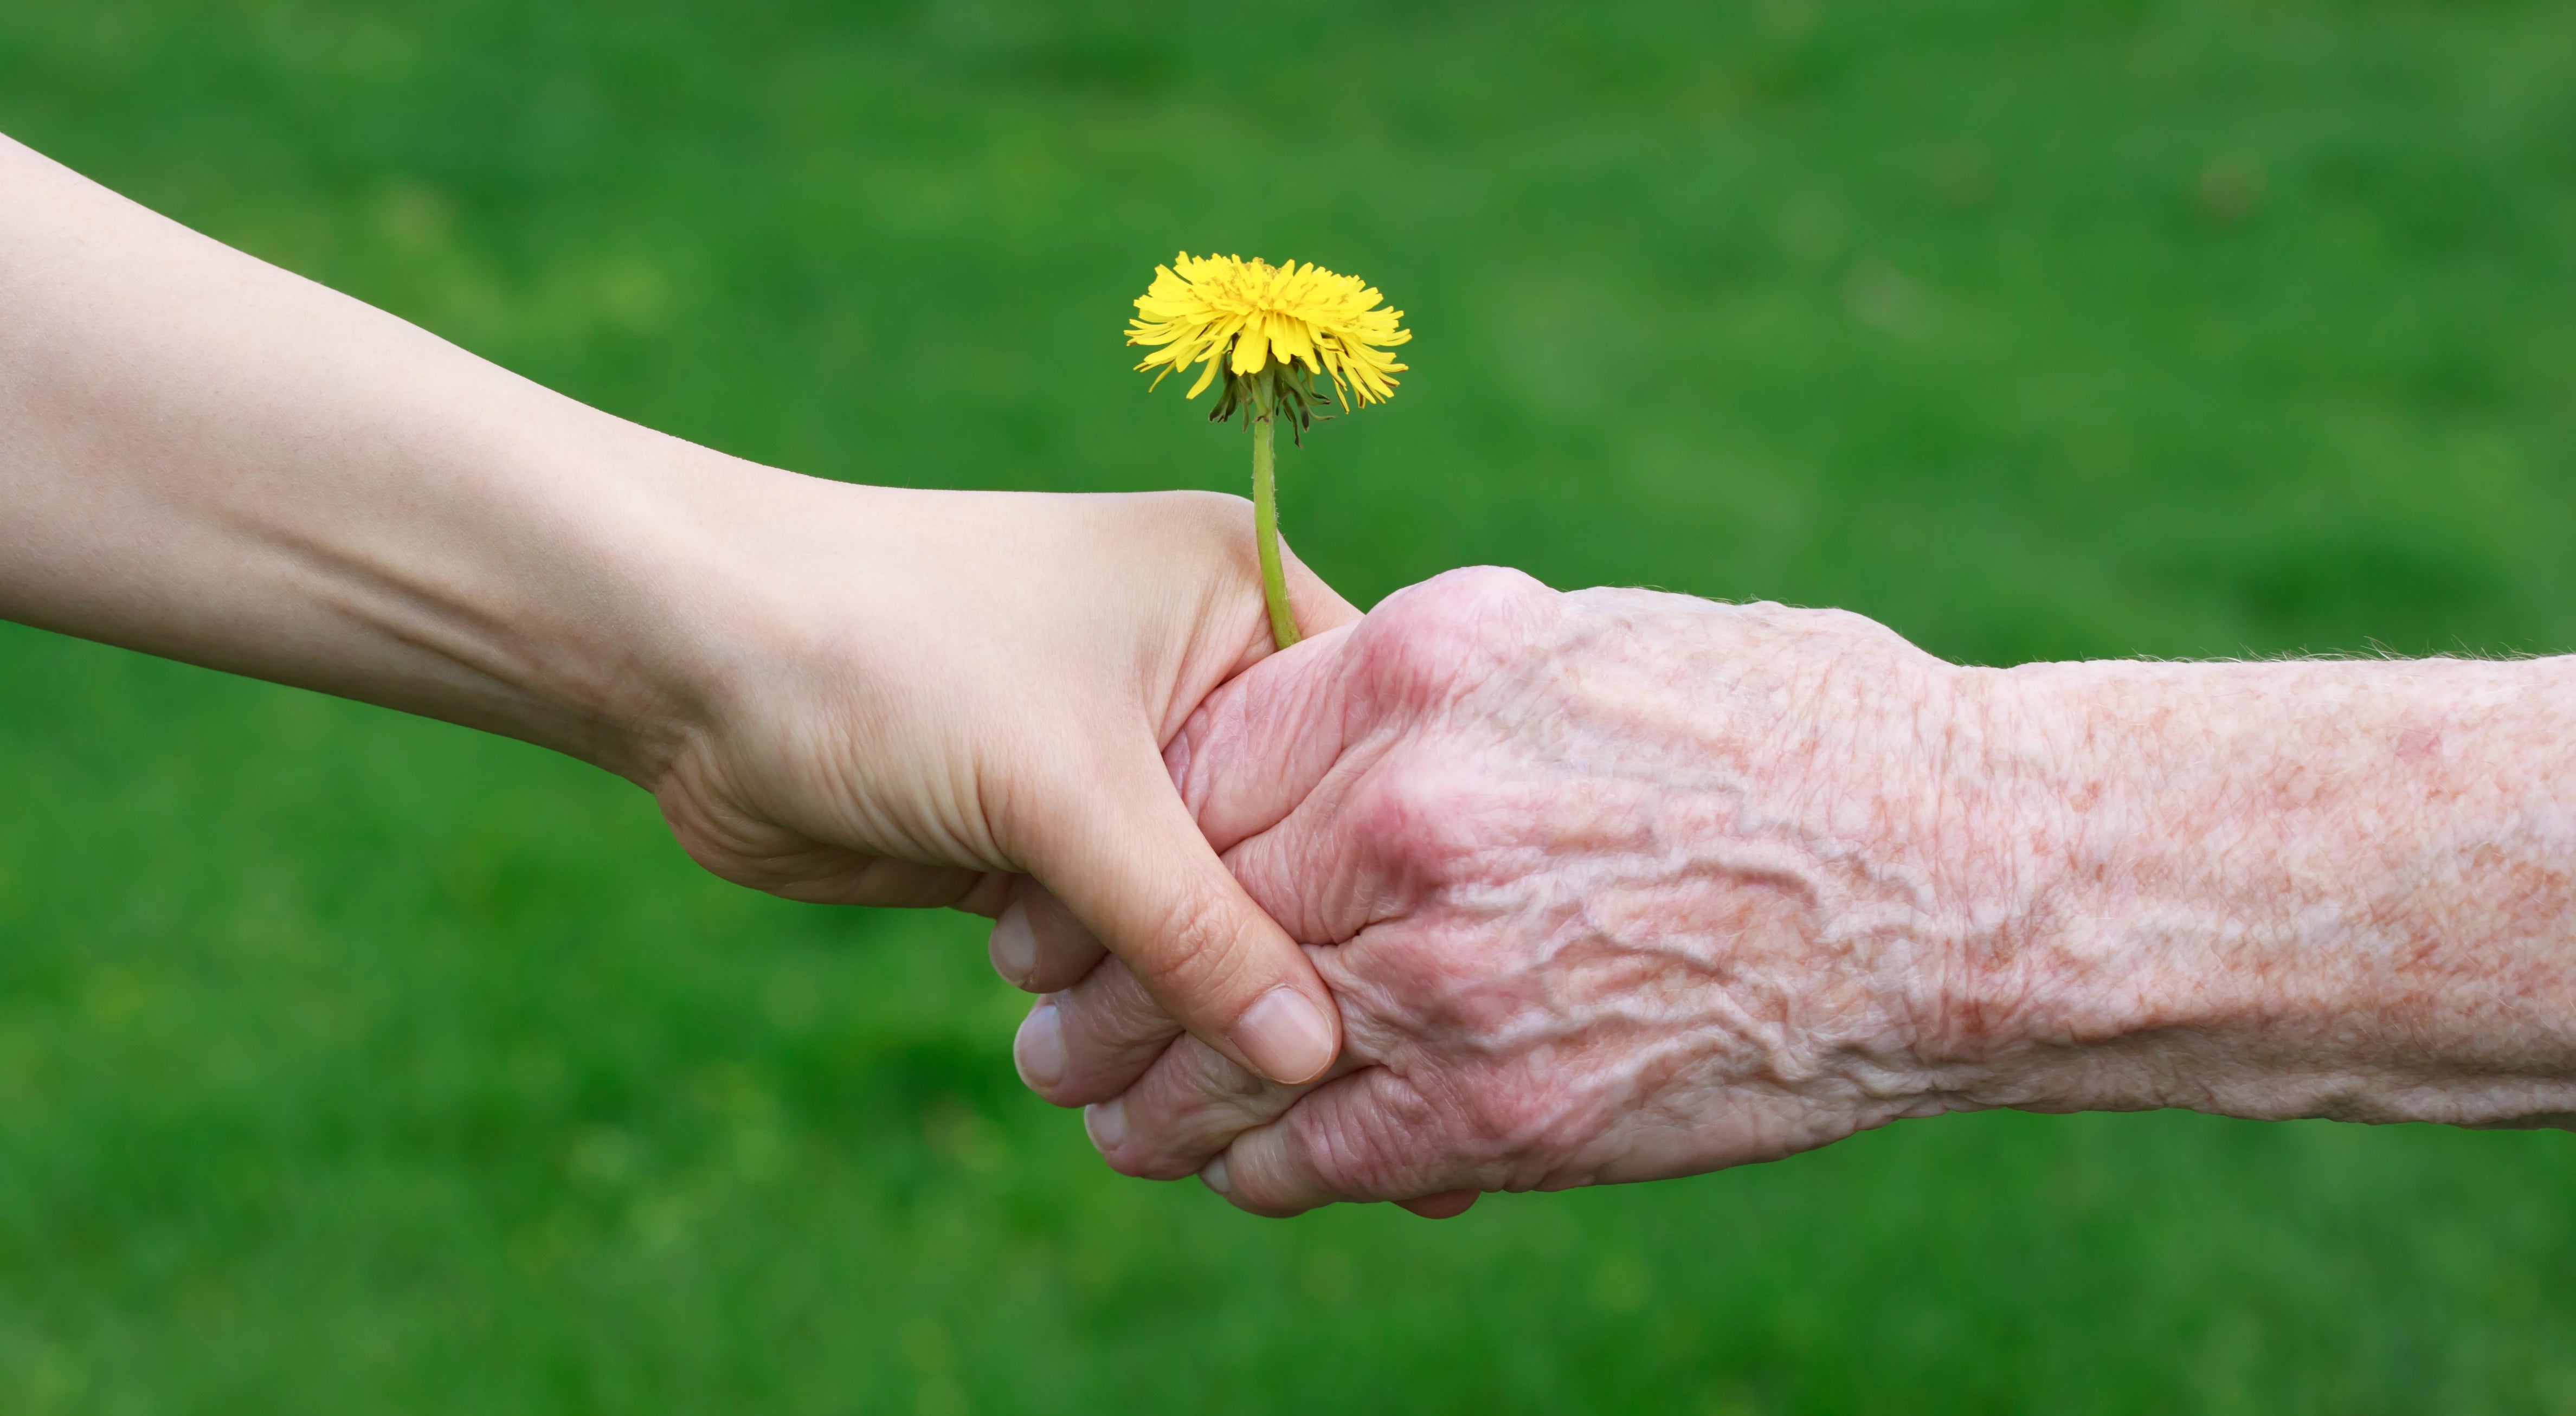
[{"x": 1243, "y": 317}]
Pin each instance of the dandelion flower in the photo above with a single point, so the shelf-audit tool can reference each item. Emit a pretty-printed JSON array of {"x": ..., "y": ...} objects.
[
  {"x": 1268, "y": 332},
  {"x": 1240, "y": 317}
]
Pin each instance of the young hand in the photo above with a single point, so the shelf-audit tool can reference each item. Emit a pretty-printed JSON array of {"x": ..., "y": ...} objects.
[{"x": 839, "y": 693}]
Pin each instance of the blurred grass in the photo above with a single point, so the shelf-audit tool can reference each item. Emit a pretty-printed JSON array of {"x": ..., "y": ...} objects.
[{"x": 355, "y": 1063}]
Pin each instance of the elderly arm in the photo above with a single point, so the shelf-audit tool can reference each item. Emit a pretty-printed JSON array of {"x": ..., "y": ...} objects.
[
  {"x": 1616, "y": 885},
  {"x": 2311, "y": 888}
]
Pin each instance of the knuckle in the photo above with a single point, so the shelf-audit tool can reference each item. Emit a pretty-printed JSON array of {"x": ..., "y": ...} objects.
[
  {"x": 1112, "y": 1009},
  {"x": 1350, "y": 1162},
  {"x": 1094, "y": 1073},
  {"x": 1498, "y": 1131},
  {"x": 1170, "y": 1159},
  {"x": 1194, "y": 1103},
  {"x": 1455, "y": 628},
  {"x": 1214, "y": 528},
  {"x": 1510, "y": 1121},
  {"x": 1113, "y": 1031},
  {"x": 1472, "y": 590},
  {"x": 1509, "y": 1129},
  {"x": 1367, "y": 1151},
  {"x": 1424, "y": 818},
  {"x": 1130, "y": 1154}
]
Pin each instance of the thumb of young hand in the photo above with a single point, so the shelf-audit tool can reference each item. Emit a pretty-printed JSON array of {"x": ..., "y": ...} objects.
[{"x": 1135, "y": 869}]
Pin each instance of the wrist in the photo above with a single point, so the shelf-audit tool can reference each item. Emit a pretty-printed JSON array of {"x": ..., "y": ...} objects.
[
  {"x": 647, "y": 591},
  {"x": 2104, "y": 965},
  {"x": 2275, "y": 890},
  {"x": 2031, "y": 980}
]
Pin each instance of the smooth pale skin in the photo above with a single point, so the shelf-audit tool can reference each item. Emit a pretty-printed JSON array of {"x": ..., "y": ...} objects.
[
  {"x": 856, "y": 695},
  {"x": 1617, "y": 885}
]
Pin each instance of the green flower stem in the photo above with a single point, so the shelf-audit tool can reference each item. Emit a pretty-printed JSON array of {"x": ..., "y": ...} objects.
[{"x": 1265, "y": 528}]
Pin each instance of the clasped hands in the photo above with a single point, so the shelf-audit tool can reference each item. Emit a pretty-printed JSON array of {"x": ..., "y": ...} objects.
[
  {"x": 1606, "y": 886},
  {"x": 1493, "y": 888},
  {"x": 1617, "y": 885}
]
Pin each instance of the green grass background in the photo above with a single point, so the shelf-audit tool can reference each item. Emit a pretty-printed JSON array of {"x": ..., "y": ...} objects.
[{"x": 352, "y": 1063}]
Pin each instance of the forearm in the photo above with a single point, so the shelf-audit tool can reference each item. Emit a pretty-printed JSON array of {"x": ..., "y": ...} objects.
[
  {"x": 2287, "y": 889},
  {"x": 209, "y": 458},
  {"x": 839, "y": 694}
]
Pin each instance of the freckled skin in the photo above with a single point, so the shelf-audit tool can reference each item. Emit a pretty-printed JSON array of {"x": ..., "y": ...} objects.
[
  {"x": 1617, "y": 885},
  {"x": 2291, "y": 889}
]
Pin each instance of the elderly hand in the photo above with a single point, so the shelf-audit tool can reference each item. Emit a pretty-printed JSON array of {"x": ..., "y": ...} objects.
[{"x": 1610, "y": 886}]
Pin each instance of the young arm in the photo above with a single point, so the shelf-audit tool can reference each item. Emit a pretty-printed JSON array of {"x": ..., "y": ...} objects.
[{"x": 839, "y": 693}]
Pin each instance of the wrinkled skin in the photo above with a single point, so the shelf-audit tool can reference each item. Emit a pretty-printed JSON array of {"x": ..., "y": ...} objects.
[
  {"x": 1610, "y": 886},
  {"x": 1617, "y": 885}
]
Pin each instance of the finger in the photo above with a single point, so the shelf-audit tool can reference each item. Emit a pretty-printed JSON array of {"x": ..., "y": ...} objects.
[
  {"x": 794, "y": 866},
  {"x": 1259, "y": 745},
  {"x": 1448, "y": 1204},
  {"x": 1038, "y": 1048},
  {"x": 1365, "y": 1136},
  {"x": 828, "y": 875},
  {"x": 1186, "y": 1109},
  {"x": 1132, "y": 866},
  {"x": 1092, "y": 1041},
  {"x": 1037, "y": 944},
  {"x": 989, "y": 895}
]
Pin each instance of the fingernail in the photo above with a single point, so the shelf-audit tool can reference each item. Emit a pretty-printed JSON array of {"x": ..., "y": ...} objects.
[
  {"x": 1216, "y": 1177},
  {"x": 1285, "y": 1035},
  {"x": 1015, "y": 946},
  {"x": 1039, "y": 1049},
  {"x": 1107, "y": 1123}
]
